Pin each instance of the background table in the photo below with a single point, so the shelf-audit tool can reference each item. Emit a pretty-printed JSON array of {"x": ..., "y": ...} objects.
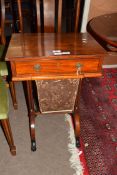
[{"x": 104, "y": 29}]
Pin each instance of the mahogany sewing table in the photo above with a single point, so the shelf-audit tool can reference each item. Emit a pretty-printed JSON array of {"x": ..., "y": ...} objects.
[{"x": 53, "y": 56}]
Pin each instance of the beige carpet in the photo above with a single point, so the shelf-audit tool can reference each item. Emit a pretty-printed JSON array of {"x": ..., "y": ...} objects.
[{"x": 52, "y": 155}]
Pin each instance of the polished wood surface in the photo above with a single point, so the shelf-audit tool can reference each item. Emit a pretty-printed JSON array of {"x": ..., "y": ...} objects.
[
  {"x": 53, "y": 56},
  {"x": 34, "y": 56},
  {"x": 105, "y": 28},
  {"x": 42, "y": 45}
]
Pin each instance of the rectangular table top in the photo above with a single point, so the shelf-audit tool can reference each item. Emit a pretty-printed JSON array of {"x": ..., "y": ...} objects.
[{"x": 51, "y": 45}]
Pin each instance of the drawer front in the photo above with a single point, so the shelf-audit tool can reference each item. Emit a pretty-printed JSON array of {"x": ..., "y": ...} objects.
[{"x": 58, "y": 67}]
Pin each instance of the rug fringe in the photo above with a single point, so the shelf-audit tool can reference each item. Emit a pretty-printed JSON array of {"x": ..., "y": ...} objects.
[{"x": 74, "y": 159}]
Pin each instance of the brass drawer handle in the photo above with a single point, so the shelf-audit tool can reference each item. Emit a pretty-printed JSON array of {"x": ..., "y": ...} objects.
[
  {"x": 79, "y": 67},
  {"x": 37, "y": 67}
]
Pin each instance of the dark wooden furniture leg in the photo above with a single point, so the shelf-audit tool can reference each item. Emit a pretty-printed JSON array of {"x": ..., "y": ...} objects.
[
  {"x": 20, "y": 15},
  {"x": 13, "y": 94},
  {"x": 77, "y": 129},
  {"x": 76, "y": 117},
  {"x": 31, "y": 115},
  {"x": 8, "y": 133}
]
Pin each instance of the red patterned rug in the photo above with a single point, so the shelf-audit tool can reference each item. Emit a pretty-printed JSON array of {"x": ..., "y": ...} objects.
[{"x": 98, "y": 111}]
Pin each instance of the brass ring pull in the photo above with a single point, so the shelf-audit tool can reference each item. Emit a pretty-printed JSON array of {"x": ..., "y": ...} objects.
[
  {"x": 37, "y": 67},
  {"x": 79, "y": 67}
]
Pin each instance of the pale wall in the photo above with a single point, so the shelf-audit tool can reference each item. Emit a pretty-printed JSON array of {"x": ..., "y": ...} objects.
[{"x": 99, "y": 7}]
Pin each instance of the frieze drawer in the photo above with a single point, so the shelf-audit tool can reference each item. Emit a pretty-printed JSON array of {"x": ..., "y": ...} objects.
[{"x": 48, "y": 67}]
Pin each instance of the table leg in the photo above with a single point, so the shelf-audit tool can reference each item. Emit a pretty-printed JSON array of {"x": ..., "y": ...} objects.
[
  {"x": 8, "y": 133},
  {"x": 31, "y": 114},
  {"x": 76, "y": 117},
  {"x": 13, "y": 94},
  {"x": 77, "y": 129}
]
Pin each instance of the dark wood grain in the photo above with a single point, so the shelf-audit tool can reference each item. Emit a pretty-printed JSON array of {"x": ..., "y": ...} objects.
[
  {"x": 42, "y": 45},
  {"x": 29, "y": 50}
]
